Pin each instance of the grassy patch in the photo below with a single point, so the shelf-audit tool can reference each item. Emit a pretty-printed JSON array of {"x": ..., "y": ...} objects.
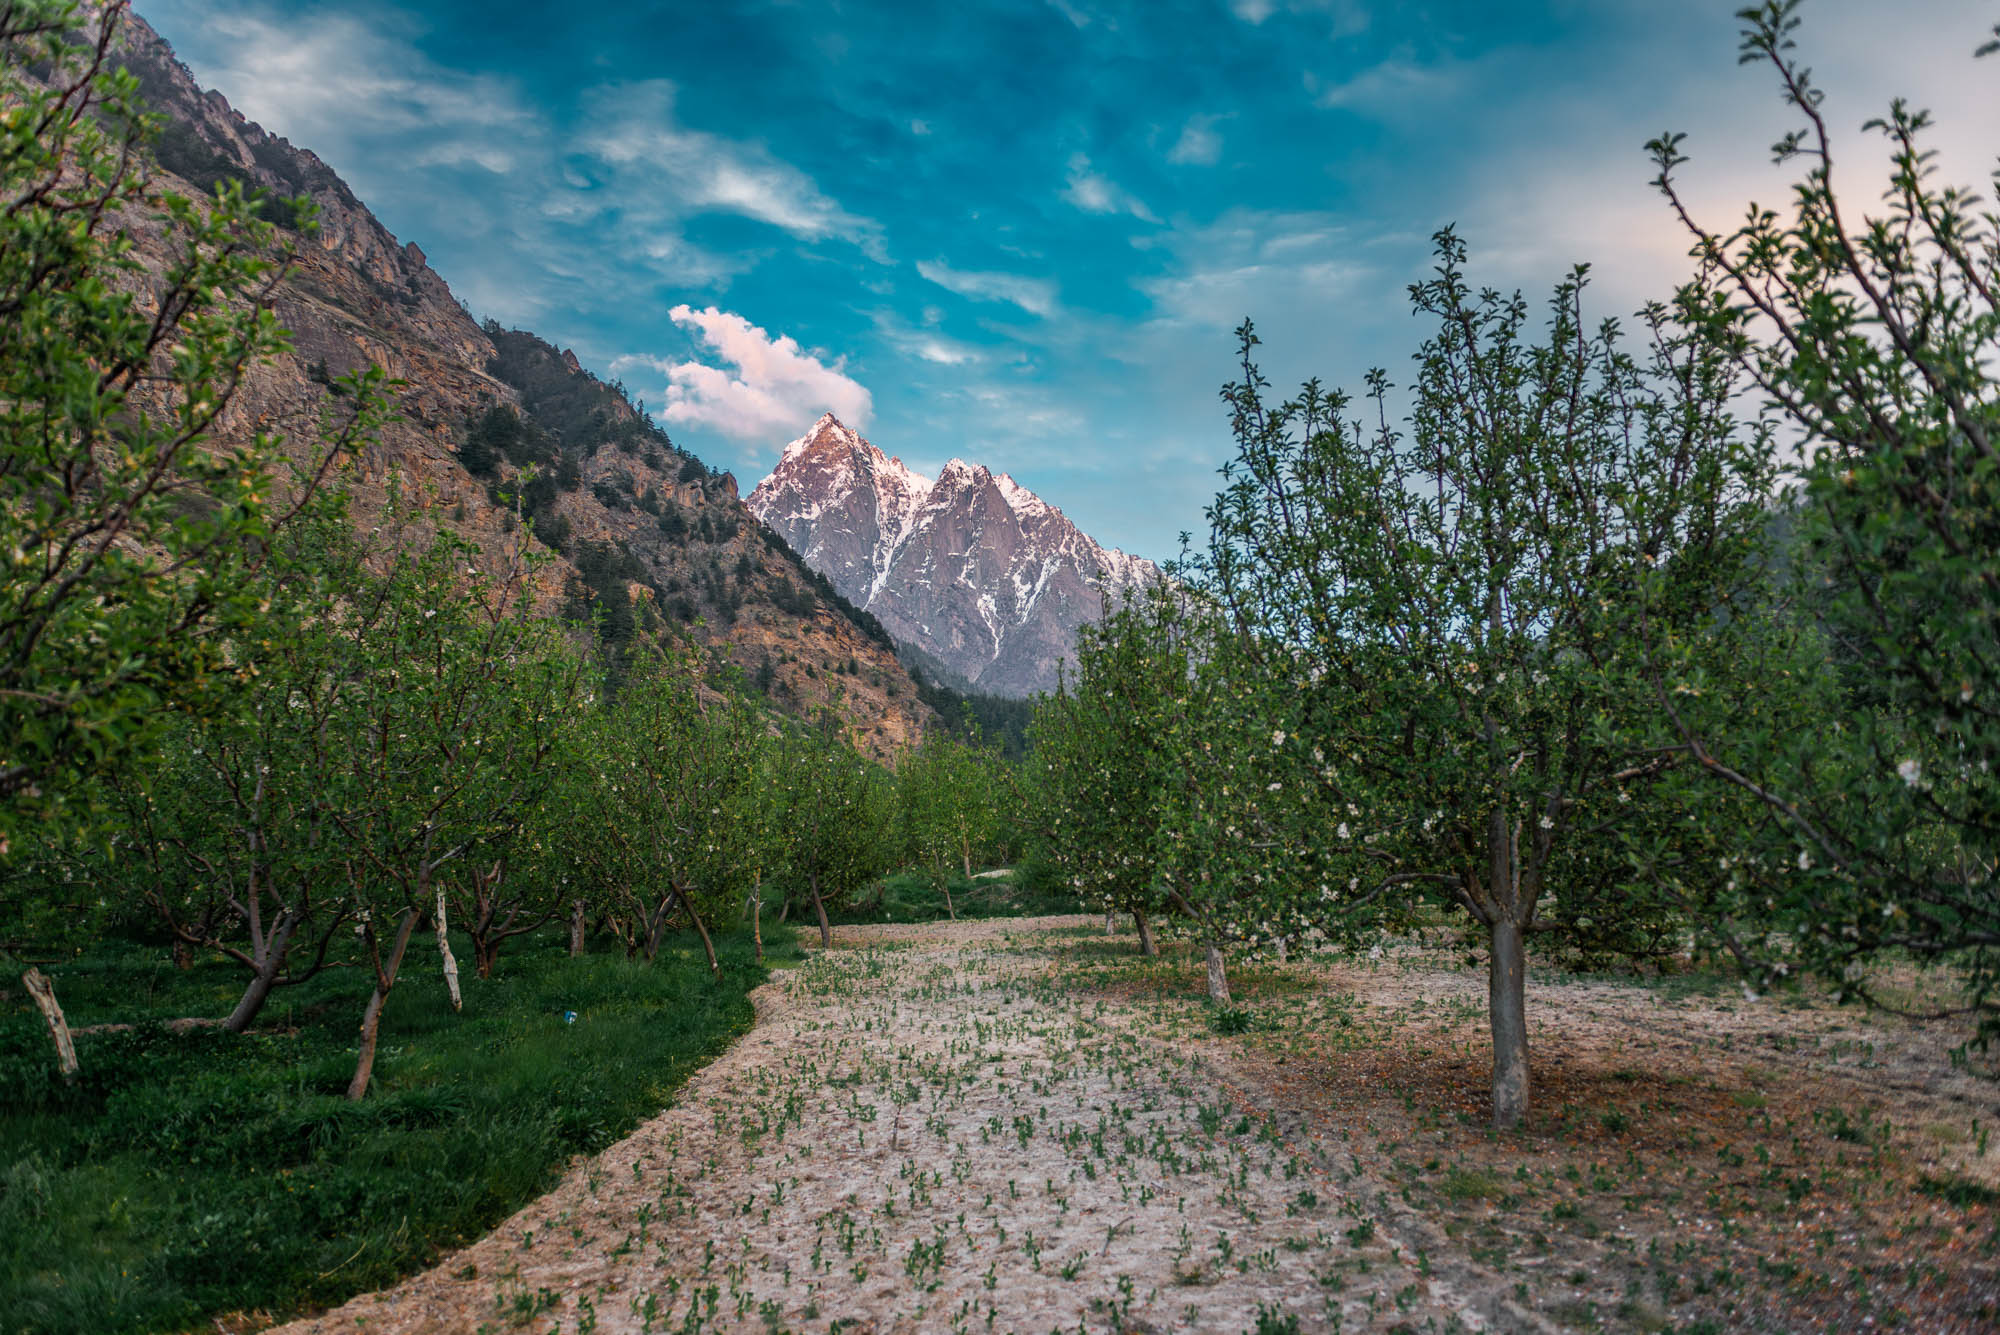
[
  {"x": 1960, "y": 1191},
  {"x": 916, "y": 897},
  {"x": 186, "y": 1175}
]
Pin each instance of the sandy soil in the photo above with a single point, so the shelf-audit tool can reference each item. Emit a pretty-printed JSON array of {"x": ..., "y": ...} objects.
[
  {"x": 1023, "y": 1126},
  {"x": 1697, "y": 1160},
  {"x": 923, "y": 1133}
]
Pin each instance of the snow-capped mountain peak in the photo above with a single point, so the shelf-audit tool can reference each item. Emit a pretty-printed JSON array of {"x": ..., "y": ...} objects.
[{"x": 992, "y": 593}]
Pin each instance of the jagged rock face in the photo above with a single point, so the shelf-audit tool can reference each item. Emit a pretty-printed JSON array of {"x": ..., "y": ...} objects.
[
  {"x": 975, "y": 573},
  {"x": 356, "y": 296}
]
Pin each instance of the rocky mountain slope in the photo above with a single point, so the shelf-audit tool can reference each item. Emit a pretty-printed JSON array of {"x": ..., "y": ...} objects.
[
  {"x": 977, "y": 577},
  {"x": 639, "y": 533}
]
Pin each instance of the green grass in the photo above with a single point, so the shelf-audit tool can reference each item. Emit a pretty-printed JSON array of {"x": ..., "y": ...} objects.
[
  {"x": 185, "y": 1175},
  {"x": 914, "y": 897}
]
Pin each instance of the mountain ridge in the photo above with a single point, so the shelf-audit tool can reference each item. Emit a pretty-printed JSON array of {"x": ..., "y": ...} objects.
[{"x": 971, "y": 572}]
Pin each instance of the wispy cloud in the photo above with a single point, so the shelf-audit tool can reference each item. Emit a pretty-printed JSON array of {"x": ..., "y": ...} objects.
[
  {"x": 528, "y": 187},
  {"x": 1094, "y": 192},
  {"x": 1037, "y": 296},
  {"x": 1345, "y": 17},
  {"x": 1249, "y": 262},
  {"x": 1199, "y": 144},
  {"x": 634, "y": 127},
  {"x": 1397, "y": 85},
  {"x": 774, "y": 390},
  {"x": 348, "y": 81},
  {"x": 1076, "y": 14},
  {"x": 927, "y": 342}
]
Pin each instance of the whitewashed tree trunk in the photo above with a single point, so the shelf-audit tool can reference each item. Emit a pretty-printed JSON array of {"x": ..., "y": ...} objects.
[
  {"x": 1218, "y": 977},
  {"x": 43, "y": 989},
  {"x": 450, "y": 960},
  {"x": 371, "y": 1017}
]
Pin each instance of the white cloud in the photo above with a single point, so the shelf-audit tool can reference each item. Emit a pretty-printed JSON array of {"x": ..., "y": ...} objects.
[
  {"x": 775, "y": 390},
  {"x": 1199, "y": 144},
  {"x": 1037, "y": 296},
  {"x": 1093, "y": 192},
  {"x": 1252, "y": 11}
]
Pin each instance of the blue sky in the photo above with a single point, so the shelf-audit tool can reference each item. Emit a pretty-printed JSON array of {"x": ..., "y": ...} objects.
[{"x": 1021, "y": 231}]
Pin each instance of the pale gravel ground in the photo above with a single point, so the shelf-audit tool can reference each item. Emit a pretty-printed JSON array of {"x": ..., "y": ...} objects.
[{"x": 922, "y": 1134}]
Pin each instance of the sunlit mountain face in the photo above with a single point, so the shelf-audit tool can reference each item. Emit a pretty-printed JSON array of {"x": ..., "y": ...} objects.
[{"x": 983, "y": 580}]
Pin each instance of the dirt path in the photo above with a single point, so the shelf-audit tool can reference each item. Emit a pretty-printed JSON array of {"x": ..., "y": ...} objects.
[{"x": 924, "y": 1133}]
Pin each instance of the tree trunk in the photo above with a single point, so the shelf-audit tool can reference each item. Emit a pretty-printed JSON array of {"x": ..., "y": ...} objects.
[
  {"x": 43, "y": 989},
  {"x": 1147, "y": 946},
  {"x": 707, "y": 946},
  {"x": 485, "y": 952},
  {"x": 1218, "y": 977},
  {"x": 253, "y": 998},
  {"x": 655, "y": 929},
  {"x": 944, "y": 883},
  {"x": 264, "y": 977},
  {"x": 965, "y": 852},
  {"x": 183, "y": 955},
  {"x": 450, "y": 960},
  {"x": 819, "y": 907},
  {"x": 1110, "y": 922},
  {"x": 575, "y": 928},
  {"x": 785, "y": 909},
  {"x": 1507, "y": 1007},
  {"x": 1283, "y": 947},
  {"x": 371, "y": 1018},
  {"x": 757, "y": 916}
]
